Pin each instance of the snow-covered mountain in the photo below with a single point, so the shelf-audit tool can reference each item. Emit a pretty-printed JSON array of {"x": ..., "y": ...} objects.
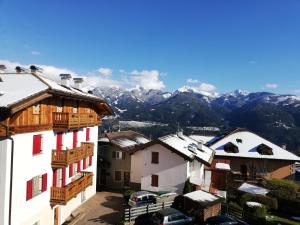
[{"x": 275, "y": 116}]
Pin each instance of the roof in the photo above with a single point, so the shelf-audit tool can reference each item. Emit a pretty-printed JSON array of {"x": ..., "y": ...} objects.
[
  {"x": 253, "y": 189},
  {"x": 188, "y": 147},
  {"x": 127, "y": 140},
  {"x": 202, "y": 138},
  {"x": 18, "y": 88},
  {"x": 222, "y": 166},
  {"x": 204, "y": 198},
  {"x": 247, "y": 143}
]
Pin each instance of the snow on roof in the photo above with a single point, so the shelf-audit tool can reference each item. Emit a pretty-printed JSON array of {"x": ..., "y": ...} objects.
[
  {"x": 20, "y": 86},
  {"x": 253, "y": 204},
  {"x": 127, "y": 139},
  {"x": 188, "y": 147},
  {"x": 247, "y": 143},
  {"x": 253, "y": 189},
  {"x": 17, "y": 87},
  {"x": 203, "y": 138},
  {"x": 222, "y": 166},
  {"x": 103, "y": 139},
  {"x": 202, "y": 197}
]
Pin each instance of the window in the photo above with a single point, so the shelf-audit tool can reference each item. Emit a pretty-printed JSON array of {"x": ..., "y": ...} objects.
[
  {"x": 154, "y": 180},
  {"x": 118, "y": 175},
  {"x": 35, "y": 186},
  {"x": 36, "y": 109},
  {"x": 37, "y": 144},
  {"x": 87, "y": 134},
  {"x": 155, "y": 156},
  {"x": 118, "y": 155}
]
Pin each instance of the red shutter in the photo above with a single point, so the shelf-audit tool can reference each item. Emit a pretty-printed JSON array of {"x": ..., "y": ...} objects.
[
  {"x": 59, "y": 141},
  {"x": 54, "y": 178},
  {"x": 44, "y": 182},
  {"x": 90, "y": 160},
  {"x": 70, "y": 170},
  {"x": 29, "y": 190},
  {"x": 63, "y": 176},
  {"x": 78, "y": 166},
  {"x": 84, "y": 163},
  {"x": 87, "y": 134},
  {"x": 37, "y": 144},
  {"x": 75, "y": 132}
]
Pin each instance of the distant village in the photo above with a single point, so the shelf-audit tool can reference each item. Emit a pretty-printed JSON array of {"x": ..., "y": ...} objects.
[{"x": 54, "y": 160}]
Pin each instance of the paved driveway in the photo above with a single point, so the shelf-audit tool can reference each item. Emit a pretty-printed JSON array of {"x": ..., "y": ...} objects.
[{"x": 103, "y": 208}]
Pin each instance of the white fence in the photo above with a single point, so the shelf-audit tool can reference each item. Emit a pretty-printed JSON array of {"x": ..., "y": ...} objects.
[{"x": 133, "y": 212}]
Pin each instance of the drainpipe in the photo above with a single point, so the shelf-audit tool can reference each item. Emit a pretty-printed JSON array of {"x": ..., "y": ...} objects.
[{"x": 11, "y": 169}]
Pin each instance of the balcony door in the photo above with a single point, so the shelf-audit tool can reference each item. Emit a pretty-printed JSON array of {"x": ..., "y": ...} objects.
[
  {"x": 59, "y": 178},
  {"x": 59, "y": 141}
]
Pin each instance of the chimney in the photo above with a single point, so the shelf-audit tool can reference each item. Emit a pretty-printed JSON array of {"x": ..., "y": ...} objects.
[
  {"x": 200, "y": 145},
  {"x": 20, "y": 69},
  {"x": 2, "y": 67},
  {"x": 180, "y": 134},
  {"x": 65, "y": 79},
  {"x": 77, "y": 82},
  {"x": 34, "y": 69},
  {"x": 283, "y": 146}
]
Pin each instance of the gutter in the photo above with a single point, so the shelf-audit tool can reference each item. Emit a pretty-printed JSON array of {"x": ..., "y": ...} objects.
[{"x": 7, "y": 136}]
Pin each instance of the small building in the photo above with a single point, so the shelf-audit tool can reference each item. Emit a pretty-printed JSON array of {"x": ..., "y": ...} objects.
[
  {"x": 167, "y": 163},
  {"x": 250, "y": 156},
  {"x": 203, "y": 204},
  {"x": 115, "y": 150}
]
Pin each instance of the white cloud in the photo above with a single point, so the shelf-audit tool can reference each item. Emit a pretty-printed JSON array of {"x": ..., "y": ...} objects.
[
  {"x": 148, "y": 79},
  {"x": 105, "y": 71},
  {"x": 271, "y": 86},
  {"x": 297, "y": 91},
  {"x": 191, "y": 81},
  {"x": 207, "y": 87},
  {"x": 252, "y": 62},
  {"x": 35, "y": 53}
]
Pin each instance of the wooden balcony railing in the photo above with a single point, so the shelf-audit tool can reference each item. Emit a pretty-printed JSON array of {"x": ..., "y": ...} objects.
[
  {"x": 65, "y": 121},
  {"x": 61, "y": 195},
  {"x": 63, "y": 158}
]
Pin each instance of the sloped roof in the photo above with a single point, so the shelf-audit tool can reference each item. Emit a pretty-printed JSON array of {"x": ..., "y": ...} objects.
[
  {"x": 127, "y": 140},
  {"x": 188, "y": 147},
  {"x": 17, "y": 88},
  {"x": 253, "y": 189},
  {"x": 247, "y": 143},
  {"x": 204, "y": 198}
]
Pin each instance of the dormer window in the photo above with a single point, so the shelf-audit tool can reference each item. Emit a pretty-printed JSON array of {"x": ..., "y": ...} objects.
[
  {"x": 238, "y": 140},
  {"x": 231, "y": 148},
  {"x": 264, "y": 149}
]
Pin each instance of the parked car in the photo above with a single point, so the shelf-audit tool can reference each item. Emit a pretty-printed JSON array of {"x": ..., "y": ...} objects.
[
  {"x": 166, "y": 197},
  {"x": 141, "y": 198},
  {"x": 224, "y": 220},
  {"x": 170, "y": 216}
]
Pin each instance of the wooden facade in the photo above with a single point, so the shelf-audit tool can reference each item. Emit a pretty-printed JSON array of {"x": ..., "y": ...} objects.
[{"x": 53, "y": 113}]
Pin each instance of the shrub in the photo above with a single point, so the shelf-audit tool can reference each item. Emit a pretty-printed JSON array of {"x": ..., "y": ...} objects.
[
  {"x": 290, "y": 207},
  {"x": 282, "y": 189},
  {"x": 255, "y": 214},
  {"x": 127, "y": 193},
  {"x": 188, "y": 187},
  {"x": 269, "y": 202}
]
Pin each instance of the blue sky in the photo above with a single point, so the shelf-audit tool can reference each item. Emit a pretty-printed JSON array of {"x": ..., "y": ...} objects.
[{"x": 228, "y": 44}]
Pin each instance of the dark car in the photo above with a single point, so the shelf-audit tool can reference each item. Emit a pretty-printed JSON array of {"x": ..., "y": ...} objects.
[
  {"x": 224, "y": 220},
  {"x": 170, "y": 216}
]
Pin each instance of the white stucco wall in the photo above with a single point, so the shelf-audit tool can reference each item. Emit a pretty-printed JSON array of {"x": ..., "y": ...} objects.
[
  {"x": 5, "y": 150},
  {"x": 171, "y": 169},
  {"x": 27, "y": 166}
]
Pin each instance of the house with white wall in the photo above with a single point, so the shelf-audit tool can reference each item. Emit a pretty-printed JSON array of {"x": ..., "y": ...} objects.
[
  {"x": 166, "y": 163},
  {"x": 48, "y": 147}
]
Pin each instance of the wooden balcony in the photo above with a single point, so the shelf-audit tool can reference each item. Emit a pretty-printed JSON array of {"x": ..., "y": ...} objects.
[
  {"x": 61, "y": 195},
  {"x": 66, "y": 121},
  {"x": 63, "y": 158}
]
